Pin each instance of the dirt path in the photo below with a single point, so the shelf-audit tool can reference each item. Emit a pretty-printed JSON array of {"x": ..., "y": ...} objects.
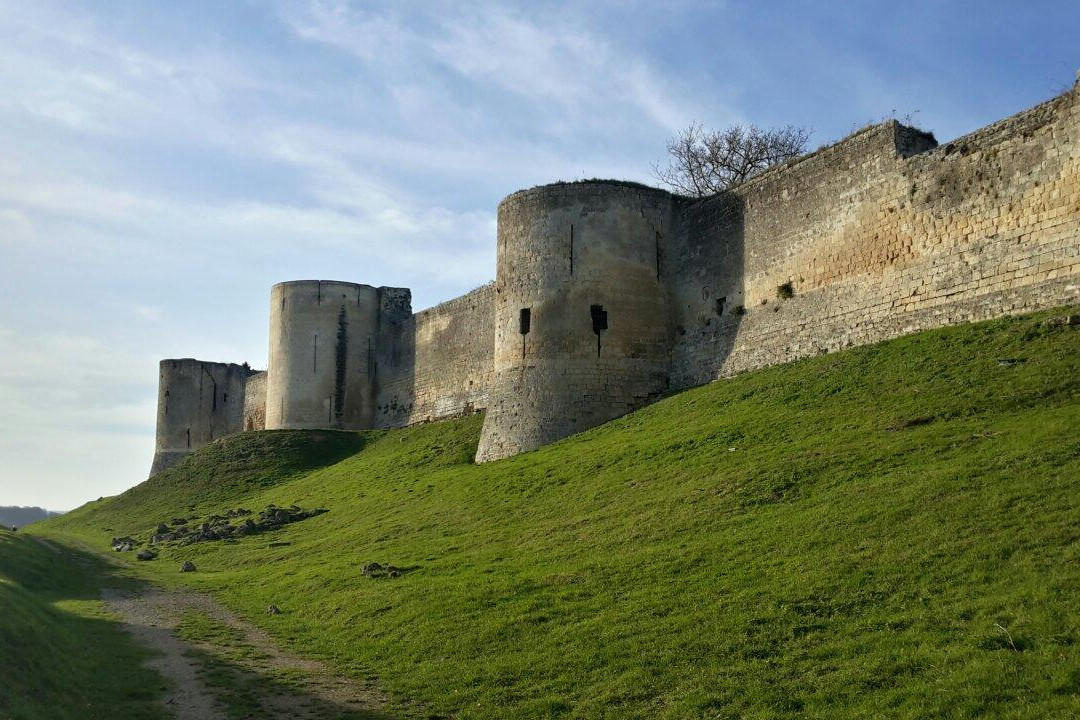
[
  {"x": 189, "y": 698},
  {"x": 205, "y": 674}
]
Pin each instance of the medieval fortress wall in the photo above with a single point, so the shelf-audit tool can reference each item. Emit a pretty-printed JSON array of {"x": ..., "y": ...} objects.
[
  {"x": 608, "y": 295},
  {"x": 437, "y": 363},
  {"x": 881, "y": 235},
  {"x": 255, "y": 402}
]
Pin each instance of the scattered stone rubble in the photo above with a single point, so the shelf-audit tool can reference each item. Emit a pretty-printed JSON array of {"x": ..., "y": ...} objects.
[
  {"x": 124, "y": 544},
  {"x": 217, "y": 527},
  {"x": 1063, "y": 321}
]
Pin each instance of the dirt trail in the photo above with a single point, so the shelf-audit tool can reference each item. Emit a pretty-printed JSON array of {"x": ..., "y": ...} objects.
[
  {"x": 189, "y": 698},
  {"x": 312, "y": 691}
]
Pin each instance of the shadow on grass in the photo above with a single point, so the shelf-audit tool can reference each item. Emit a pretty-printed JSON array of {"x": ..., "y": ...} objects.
[
  {"x": 61, "y": 655},
  {"x": 253, "y": 680},
  {"x": 249, "y": 693}
]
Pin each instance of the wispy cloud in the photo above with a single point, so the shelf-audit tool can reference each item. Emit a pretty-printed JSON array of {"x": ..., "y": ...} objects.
[{"x": 568, "y": 77}]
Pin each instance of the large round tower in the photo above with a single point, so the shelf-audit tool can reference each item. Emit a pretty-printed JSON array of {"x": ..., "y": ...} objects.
[
  {"x": 322, "y": 354},
  {"x": 198, "y": 402},
  {"x": 582, "y": 328}
]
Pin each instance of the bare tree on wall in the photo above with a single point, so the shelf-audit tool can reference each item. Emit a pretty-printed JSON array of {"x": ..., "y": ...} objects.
[{"x": 704, "y": 162}]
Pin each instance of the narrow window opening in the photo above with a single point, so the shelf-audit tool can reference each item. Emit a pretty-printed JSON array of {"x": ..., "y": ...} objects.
[
  {"x": 213, "y": 391},
  {"x": 599, "y": 318},
  {"x": 314, "y": 352},
  {"x": 658, "y": 255},
  {"x": 224, "y": 398},
  {"x": 166, "y": 403},
  {"x": 189, "y": 437},
  {"x": 720, "y": 305},
  {"x": 571, "y": 249},
  {"x": 599, "y": 323},
  {"x": 524, "y": 326}
]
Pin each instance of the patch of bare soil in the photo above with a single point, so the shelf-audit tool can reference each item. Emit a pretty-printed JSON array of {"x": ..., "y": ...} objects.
[{"x": 152, "y": 615}]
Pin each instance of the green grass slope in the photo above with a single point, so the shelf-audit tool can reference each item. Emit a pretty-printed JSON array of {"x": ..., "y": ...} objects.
[
  {"x": 891, "y": 531},
  {"x": 61, "y": 655},
  {"x": 220, "y": 474}
]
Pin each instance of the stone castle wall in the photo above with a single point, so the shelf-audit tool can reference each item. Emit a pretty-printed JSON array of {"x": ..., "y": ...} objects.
[
  {"x": 610, "y": 294},
  {"x": 255, "y": 402},
  {"x": 437, "y": 363},
  {"x": 880, "y": 236}
]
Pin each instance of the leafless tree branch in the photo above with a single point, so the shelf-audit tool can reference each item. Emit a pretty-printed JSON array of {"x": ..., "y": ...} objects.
[{"x": 704, "y": 162}]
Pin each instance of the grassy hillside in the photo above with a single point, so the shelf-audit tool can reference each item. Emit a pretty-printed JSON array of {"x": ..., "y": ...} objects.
[
  {"x": 218, "y": 475},
  {"x": 61, "y": 656},
  {"x": 891, "y": 531}
]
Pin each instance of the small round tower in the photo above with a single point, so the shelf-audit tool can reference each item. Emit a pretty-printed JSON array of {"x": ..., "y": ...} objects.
[
  {"x": 198, "y": 402},
  {"x": 322, "y": 355},
  {"x": 582, "y": 326}
]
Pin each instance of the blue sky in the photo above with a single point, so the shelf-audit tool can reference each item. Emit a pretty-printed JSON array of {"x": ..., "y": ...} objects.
[{"x": 163, "y": 164}]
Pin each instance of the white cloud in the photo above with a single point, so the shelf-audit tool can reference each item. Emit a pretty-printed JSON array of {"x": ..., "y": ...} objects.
[{"x": 572, "y": 76}]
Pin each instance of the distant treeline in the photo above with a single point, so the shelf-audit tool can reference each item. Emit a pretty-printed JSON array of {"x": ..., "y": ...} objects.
[{"x": 11, "y": 516}]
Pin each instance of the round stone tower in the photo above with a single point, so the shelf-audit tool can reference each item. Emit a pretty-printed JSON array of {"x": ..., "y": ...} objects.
[
  {"x": 322, "y": 355},
  {"x": 198, "y": 402},
  {"x": 582, "y": 322}
]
